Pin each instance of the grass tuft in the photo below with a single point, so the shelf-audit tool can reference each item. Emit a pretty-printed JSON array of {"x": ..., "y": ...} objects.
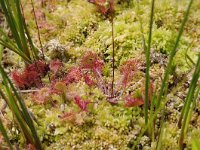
[
  {"x": 146, "y": 104},
  {"x": 19, "y": 110},
  {"x": 189, "y": 104},
  {"x": 164, "y": 85},
  {"x": 22, "y": 44}
]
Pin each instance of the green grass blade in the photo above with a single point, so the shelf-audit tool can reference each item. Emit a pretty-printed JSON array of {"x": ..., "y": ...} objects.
[
  {"x": 185, "y": 114},
  {"x": 24, "y": 110},
  {"x": 153, "y": 117},
  {"x": 6, "y": 41},
  {"x": 16, "y": 22},
  {"x": 187, "y": 57},
  {"x": 5, "y": 135},
  {"x": 172, "y": 54},
  {"x": 11, "y": 101},
  {"x": 147, "y": 76},
  {"x": 159, "y": 105},
  {"x": 33, "y": 48},
  {"x": 190, "y": 59},
  {"x": 160, "y": 139},
  {"x": 1, "y": 52},
  {"x": 20, "y": 21},
  {"x": 193, "y": 106},
  {"x": 184, "y": 108},
  {"x": 11, "y": 22},
  {"x": 6, "y": 38},
  {"x": 10, "y": 46}
]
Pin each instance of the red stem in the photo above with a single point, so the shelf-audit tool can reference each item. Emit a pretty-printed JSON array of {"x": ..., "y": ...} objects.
[
  {"x": 113, "y": 57},
  {"x": 41, "y": 46}
]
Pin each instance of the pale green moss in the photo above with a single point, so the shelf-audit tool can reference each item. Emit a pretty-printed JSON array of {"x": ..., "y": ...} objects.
[{"x": 79, "y": 19}]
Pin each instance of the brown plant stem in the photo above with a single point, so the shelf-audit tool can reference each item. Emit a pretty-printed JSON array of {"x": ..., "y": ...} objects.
[
  {"x": 38, "y": 30},
  {"x": 113, "y": 57},
  {"x": 36, "y": 23}
]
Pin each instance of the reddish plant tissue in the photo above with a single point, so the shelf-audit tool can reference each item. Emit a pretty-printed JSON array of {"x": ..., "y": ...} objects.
[
  {"x": 31, "y": 76},
  {"x": 128, "y": 70},
  {"x": 74, "y": 75},
  {"x": 42, "y": 96},
  {"x": 88, "y": 80},
  {"x": 92, "y": 61},
  {"x": 42, "y": 22},
  {"x": 90, "y": 71},
  {"x": 68, "y": 116},
  {"x": 26, "y": 79},
  {"x": 106, "y": 7},
  {"x": 81, "y": 103},
  {"x": 132, "y": 102},
  {"x": 55, "y": 65},
  {"x": 150, "y": 91},
  {"x": 39, "y": 66},
  {"x": 30, "y": 147}
]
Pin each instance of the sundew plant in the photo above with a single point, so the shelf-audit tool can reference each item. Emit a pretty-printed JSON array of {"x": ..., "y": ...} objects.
[{"x": 99, "y": 74}]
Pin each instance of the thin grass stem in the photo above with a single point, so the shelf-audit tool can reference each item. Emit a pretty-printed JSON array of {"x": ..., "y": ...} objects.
[
  {"x": 113, "y": 58},
  {"x": 36, "y": 23},
  {"x": 189, "y": 103},
  {"x": 160, "y": 105},
  {"x": 172, "y": 54},
  {"x": 5, "y": 135},
  {"x": 147, "y": 76},
  {"x": 20, "y": 110}
]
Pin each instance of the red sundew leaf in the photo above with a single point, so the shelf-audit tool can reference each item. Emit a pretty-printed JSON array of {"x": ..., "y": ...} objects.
[
  {"x": 31, "y": 76},
  {"x": 59, "y": 88},
  {"x": 53, "y": 88},
  {"x": 55, "y": 65},
  {"x": 128, "y": 69},
  {"x": 91, "y": 61},
  {"x": 39, "y": 66},
  {"x": 74, "y": 75},
  {"x": 82, "y": 104},
  {"x": 42, "y": 96},
  {"x": 18, "y": 79},
  {"x": 106, "y": 7},
  {"x": 133, "y": 102},
  {"x": 88, "y": 80},
  {"x": 69, "y": 116},
  {"x": 26, "y": 79}
]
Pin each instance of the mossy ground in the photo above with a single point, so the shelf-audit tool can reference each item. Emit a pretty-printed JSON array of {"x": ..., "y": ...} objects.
[{"x": 79, "y": 27}]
